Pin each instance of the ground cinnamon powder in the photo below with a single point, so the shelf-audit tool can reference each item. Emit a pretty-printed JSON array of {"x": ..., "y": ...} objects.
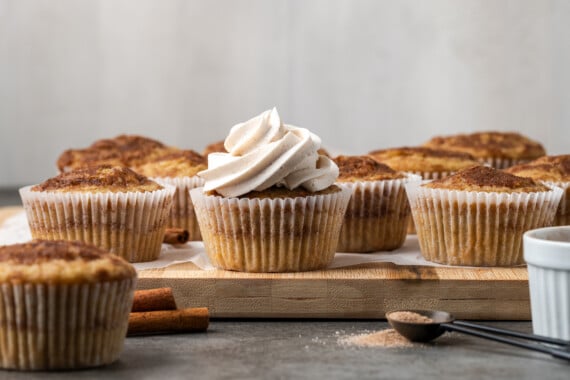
[
  {"x": 409, "y": 316},
  {"x": 383, "y": 338}
]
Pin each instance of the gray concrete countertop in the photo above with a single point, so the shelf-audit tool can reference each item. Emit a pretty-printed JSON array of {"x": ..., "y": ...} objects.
[{"x": 310, "y": 350}]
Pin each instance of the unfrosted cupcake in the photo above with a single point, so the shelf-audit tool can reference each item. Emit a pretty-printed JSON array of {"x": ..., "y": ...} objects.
[
  {"x": 378, "y": 212},
  {"x": 63, "y": 305},
  {"x": 497, "y": 149},
  {"x": 426, "y": 162},
  {"x": 123, "y": 150},
  {"x": 477, "y": 216},
  {"x": 554, "y": 171},
  {"x": 111, "y": 207},
  {"x": 270, "y": 204},
  {"x": 179, "y": 169}
]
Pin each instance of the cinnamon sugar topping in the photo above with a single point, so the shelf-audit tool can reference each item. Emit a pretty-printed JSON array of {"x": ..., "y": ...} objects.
[
  {"x": 485, "y": 179},
  {"x": 547, "y": 168},
  {"x": 490, "y": 144},
  {"x": 363, "y": 168},
  {"x": 99, "y": 179}
]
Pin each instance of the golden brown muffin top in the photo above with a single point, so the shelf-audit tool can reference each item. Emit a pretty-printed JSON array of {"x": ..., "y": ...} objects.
[
  {"x": 486, "y": 179},
  {"x": 275, "y": 192},
  {"x": 125, "y": 150},
  {"x": 184, "y": 163},
  {"x": 58, "y": 261},
  {"x": 98, "y": 179},
  {"x": 363, "y": 168},
  {"x": 423, "y": 159},
  {"x": 546, "y": 168},
  {"x": 217, "y": 147},
  {"x": 490, "y": 144}
]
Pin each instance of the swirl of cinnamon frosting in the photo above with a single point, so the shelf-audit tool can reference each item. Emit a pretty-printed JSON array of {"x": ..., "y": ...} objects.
[{"x": 264, "y": 152}]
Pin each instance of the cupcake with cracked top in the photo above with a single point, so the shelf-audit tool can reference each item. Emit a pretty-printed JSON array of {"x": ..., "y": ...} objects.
[
  {"x": 270, "y": 203},
  {"x": 477, "y": 216},
  {"x": 498, "y": 149},
  {"x": 63, "y": 305},
  {"x": 179, "y": 169},
  {"x": 111, "y": 207},
  {"x": 426, "y": 162},
  {"x": 554, "y": 171},
  {"x": 378, "y": 211},
  {"x": 123, "y": 150}
]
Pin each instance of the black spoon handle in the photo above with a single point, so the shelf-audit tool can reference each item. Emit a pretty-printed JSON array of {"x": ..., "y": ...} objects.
[
  {"x": 560, "y": 354},
  {"x": 516, "y": 334}
]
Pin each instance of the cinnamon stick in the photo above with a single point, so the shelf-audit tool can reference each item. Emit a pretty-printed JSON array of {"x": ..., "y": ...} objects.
[
  {"x": 183, "y": 320},
  {"x": 153, "y": 299},
  {"x": 175, "y": 236}
]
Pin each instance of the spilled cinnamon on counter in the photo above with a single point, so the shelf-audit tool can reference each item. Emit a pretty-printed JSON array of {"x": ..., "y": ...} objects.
[{"x": 388, "y": 338}]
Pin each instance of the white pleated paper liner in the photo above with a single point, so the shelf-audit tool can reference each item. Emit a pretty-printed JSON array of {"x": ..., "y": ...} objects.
[
  {"x": 182, "y": 212},
  {"x": 562, "y": 217},
  {"x": 502, "y": 162},
  {"x": 377, "y": 215},
  {"x": 130, "y": 224},
  {"x": 477, "y": 228},
  {"x": 271, "y": 235},
  {"x": 63, "y": 326}
]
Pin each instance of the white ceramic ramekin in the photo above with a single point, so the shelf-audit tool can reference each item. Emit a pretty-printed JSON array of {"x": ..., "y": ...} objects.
[{"x": 547, "y": 253}]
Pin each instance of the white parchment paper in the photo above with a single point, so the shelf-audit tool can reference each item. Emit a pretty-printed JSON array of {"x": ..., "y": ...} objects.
[{"x": 15, "y": 230}]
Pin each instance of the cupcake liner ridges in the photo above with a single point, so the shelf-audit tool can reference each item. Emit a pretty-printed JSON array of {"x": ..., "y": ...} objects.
[
  {"x": 478, "y": 228},
  {"x": 502, "y": 162},
  {"x": 271, "y": 235},
  {"x": 562, "y": 217},
  {"x": 130, "y": 225},
  {"x": 182, "y": 213},
  {"x": 377, "y": 216},
  {"x": 63, "y": 326}
]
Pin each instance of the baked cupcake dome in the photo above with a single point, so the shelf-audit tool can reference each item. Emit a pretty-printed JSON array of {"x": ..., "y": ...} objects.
[
  {"x": 63, "y": 305},
  {"x": 555, "y": 171},
  {"x": 179, "y": 169},
  {"x": 123, "y": 150},
  {"x": 426, "y": 162},
  {"x": 477, "y": 216},
  {"x": 378, "y": 212},
  {"x": 498, "y": 149},
  {"x": 111, "y": 207}
]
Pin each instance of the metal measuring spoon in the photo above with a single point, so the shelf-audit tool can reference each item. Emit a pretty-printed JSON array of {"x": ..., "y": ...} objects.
[{"x": 443, "y": 321}]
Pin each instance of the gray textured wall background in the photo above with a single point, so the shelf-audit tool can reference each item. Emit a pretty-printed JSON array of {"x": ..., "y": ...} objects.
[{"x": 361, "y": 74}]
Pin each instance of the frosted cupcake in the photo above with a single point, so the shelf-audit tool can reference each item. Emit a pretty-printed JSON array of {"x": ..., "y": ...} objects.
[
  {"x": 477, "y": 216},
  {"x": 112, "y": 207},
  {"x": 378, "y": 212},
  {"x": 179, "y": 169},
  {"x": 554, "y": 171},
  {"x": 63, "y": 305},
  {"x": 497, "y": 149},
  {"x": 270, "y": 204}
]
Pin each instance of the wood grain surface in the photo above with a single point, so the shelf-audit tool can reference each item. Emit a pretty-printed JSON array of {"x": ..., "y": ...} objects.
[{"x": 363, "y": 291}]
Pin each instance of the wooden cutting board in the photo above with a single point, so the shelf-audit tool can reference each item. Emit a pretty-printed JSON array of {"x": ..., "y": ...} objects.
[{"x": 363, "y": 291}]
